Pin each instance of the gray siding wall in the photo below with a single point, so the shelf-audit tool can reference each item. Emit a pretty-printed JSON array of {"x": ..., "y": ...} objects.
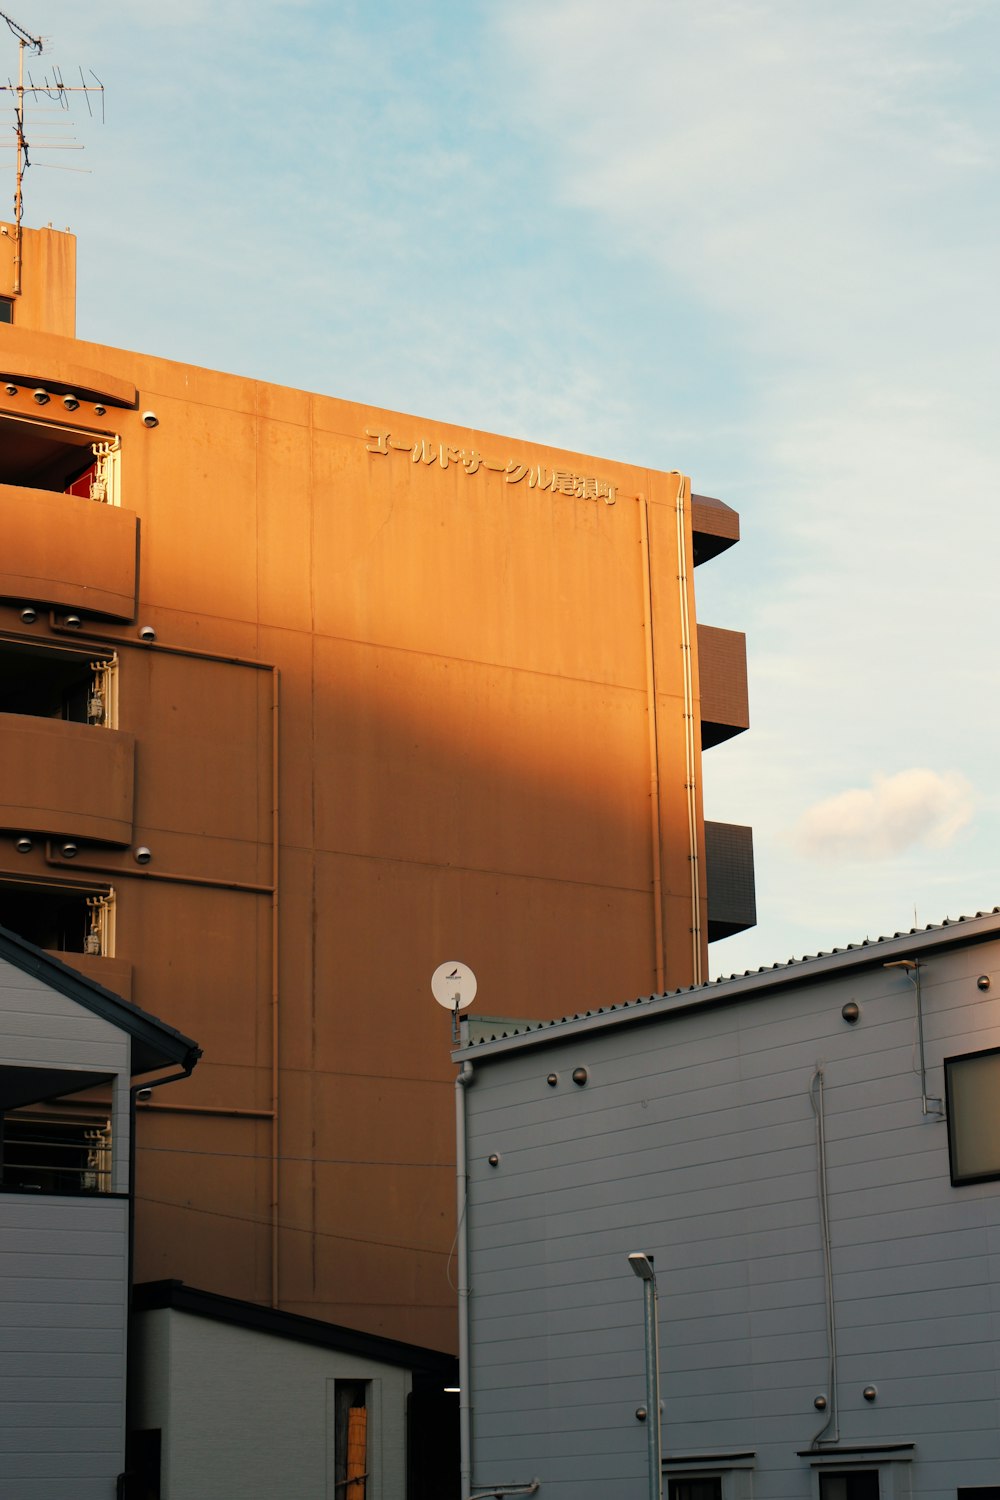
[
  {"x": 63, "y": 1277},
  {"x": 41, "y": 1028},
  {"x": 695, "y": 1140},
  {"x": 249, "y": 1415}
]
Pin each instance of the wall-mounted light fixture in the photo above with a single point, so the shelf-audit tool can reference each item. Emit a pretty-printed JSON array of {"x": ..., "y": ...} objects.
[
  {"x": 41, "y": 396},
  {"x": 851, "y": 1011},
  {"x": 23, "y": 845},
  {"x": 68, "y": 850},
  {"x": 642, "y": 1265},
  {"x": 70, "y": 402},
  {"x": 29, "y": 615},
  {"x": 142, "y": 855}
]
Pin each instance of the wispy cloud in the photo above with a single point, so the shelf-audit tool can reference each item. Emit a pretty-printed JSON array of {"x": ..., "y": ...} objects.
[{"x": 918, "y": 806}]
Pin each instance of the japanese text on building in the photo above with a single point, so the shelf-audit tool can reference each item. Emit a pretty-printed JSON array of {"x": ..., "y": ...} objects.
[{"x": 539, "y": 476}]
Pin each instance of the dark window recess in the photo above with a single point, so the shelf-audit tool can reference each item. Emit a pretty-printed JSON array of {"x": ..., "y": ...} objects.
[
  {"x": 856, "y": 1484},
  {"x": 49, "y": 685},
  {"x": 142, "y": 1464},
  {"x": 42, "y": 455},
  {"x": 433, "y": 1443},
  {"x": 6, "y": 310},
  {"x": 49, "y": 916},
  {"x": 695, "y": 1489},
  {"x": 351, "y": 1439},
  {"x": 981, "y": 1492},
  {"x": 43, "y": 1155},
  {"x": 972, "y": 1092}
]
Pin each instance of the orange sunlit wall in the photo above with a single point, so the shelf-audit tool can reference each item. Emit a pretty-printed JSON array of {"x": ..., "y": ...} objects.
[{"x": 416, "y": 693}]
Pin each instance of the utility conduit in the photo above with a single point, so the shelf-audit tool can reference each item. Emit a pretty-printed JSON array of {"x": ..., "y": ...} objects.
[
  {"x": 690, "y": 749},
  {"x": 654, "y": 753}
]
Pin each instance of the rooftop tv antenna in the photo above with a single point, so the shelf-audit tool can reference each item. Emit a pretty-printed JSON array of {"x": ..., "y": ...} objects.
[{"x": 53, "y": 88}]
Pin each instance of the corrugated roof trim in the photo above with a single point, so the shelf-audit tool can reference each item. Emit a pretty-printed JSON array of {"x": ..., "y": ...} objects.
[{"x": 527, "y": 1027}]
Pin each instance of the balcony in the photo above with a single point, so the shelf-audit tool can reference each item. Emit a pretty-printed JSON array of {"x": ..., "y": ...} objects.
[
  {"x": 66, "y": 780},
  {"x": 67, "y": 552},
  {"x": 722, "y": 668},
  {"x": 715, "y": 525},
  {"x": 732, "y": 899}
]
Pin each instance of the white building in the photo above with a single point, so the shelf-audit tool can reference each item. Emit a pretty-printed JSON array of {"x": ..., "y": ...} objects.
[
  {"x": 811, "y": 1153},
  {"x": 237, "y": 1400},
  {"x": 69, "y": 1052}
]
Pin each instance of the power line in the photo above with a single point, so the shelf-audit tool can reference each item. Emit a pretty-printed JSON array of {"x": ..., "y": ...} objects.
[
  {"x": 320, "y": 1234},
  {"x": 334, "y": 1161}
]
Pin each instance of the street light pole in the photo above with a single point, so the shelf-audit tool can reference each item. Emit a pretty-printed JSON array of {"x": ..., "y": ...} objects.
[{"x": 642, "y": 1265}]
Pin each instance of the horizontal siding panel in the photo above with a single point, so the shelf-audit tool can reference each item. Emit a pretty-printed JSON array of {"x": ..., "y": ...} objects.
[
  {"x": 60, "y": 1339},
  {"x": 46, "y": 1266},
  {"x": 54, "y": 1388},
  {"x": 94, "y": 1438}
]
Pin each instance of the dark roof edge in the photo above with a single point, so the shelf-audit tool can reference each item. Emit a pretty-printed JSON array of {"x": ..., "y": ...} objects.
[
  {"x": 172, "y": 1045},
  {"x": 152, "y": 1295},
  {"x": 739, "y": 988}
]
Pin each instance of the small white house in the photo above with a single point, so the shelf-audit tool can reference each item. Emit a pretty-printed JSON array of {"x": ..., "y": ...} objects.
[
  {"x": 69, "y": 1054},
  {"x": 237, "y": 1400},
  {"x": 810, "y": 1155}
]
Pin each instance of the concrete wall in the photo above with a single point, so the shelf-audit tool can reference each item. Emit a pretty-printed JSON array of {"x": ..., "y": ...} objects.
[
  {"x": 462, "y": 705},
  {"x": 248, "y": 1414},
  {"x": 695, "y": 1139}
]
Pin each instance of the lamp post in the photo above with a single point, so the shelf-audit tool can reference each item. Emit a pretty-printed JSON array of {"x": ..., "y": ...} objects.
[{"x": 642, "y": 1265}]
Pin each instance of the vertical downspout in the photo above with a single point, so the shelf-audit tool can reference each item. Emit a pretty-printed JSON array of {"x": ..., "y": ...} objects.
[
  {"x": 654, "y": 755},
  {"x": 690, "y": 749},
  {"x": 275, "y": 988},
  {"x": 818, "y": 1105},
  {"x": 462, "y": 1081}
]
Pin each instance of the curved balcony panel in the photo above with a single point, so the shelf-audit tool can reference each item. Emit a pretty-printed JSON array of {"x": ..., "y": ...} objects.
[
  {"x": 732, "y": 896},
  {"x": 722, "y": 669},
  {"x": 68, "y": 552},
  {"x": 66, "y": 780},
  {"x": 57, "y": 375}
]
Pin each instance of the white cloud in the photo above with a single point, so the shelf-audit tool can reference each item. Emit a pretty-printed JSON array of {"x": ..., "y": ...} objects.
[{"x": 918, "y": 806}]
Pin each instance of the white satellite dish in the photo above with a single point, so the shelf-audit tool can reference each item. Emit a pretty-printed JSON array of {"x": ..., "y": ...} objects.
[{"x": 454, "y": 986}]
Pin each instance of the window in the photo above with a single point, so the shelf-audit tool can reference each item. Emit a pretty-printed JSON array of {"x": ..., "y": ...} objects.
[
  {"x": 6, "y": 310},
  {"x": 695, "y": 1489},
  {"x": 63, "y": 919},
  {"x": 851, "y": 1484},
  {"x": 972, "y": 1090},
  {"x": 44, "y": 683},
  {"x": 40, "y": 455},
  {"x": 43, "y": 1151},
  {"x": 351, "y": 1439}
]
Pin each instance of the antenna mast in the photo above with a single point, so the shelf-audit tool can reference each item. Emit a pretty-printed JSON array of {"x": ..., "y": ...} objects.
[{"x": 56, "y": 90}]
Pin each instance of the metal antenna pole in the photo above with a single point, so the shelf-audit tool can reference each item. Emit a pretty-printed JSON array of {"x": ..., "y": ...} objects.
[{"x": 56, "y": 91}]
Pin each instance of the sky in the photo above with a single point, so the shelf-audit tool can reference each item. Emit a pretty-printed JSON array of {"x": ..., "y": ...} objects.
[{"x": 754, "y": 240}]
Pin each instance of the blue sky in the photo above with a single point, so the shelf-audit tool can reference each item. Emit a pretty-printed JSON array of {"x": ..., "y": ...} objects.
[{"x": 756, "y": 240}]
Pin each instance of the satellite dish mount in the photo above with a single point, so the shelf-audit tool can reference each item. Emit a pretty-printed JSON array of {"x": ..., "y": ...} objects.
[{"x": 454, "y": 986}]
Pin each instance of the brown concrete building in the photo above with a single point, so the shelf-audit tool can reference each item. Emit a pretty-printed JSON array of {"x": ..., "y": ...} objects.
[{"x": 299, "y": 699}]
